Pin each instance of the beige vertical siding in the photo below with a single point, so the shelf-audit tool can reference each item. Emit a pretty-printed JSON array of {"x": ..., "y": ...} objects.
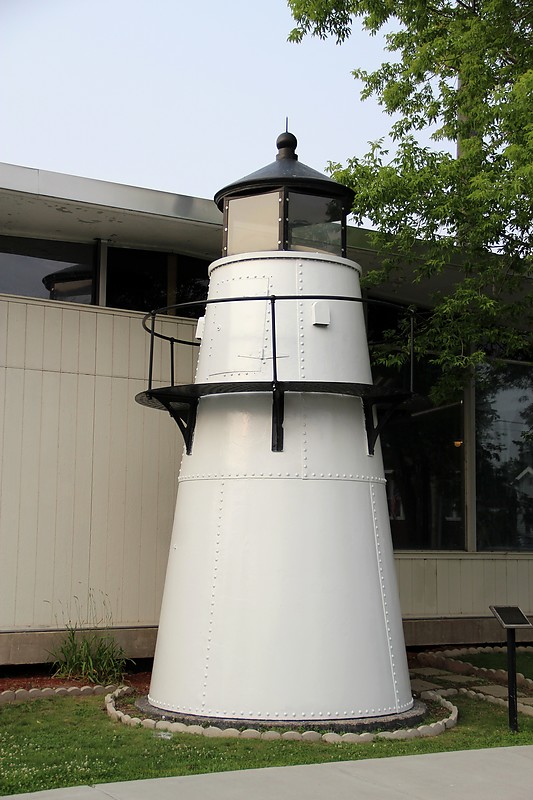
[
  {"x": 88, "y": 477},
  {"x": 463, "y": 584},
  {"x": 88, "y": 481}
]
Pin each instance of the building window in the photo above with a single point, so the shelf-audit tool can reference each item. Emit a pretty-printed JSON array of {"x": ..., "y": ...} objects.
[
  {"x": 423, "y": 453},
  {"x": 141, "y": 280},
  {"x": 47, "y": 269},
  {"x": 423, "y": 460},
  {"x": 504, "y": 456}
]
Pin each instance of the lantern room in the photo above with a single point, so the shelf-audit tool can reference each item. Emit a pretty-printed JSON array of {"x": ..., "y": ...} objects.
[{"x": 285, "y": 206}]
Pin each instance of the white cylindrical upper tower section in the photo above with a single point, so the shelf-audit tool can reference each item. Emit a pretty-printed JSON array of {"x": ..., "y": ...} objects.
[{"x": 315, "y": 338}]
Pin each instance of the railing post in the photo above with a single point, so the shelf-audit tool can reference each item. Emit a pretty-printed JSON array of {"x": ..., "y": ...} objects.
[
  {"x": 151, "y": 360},
  {"x": 274, "y": 345},
  {"x": 172, "y": 362},
  {"x": 412, "y": 351}
]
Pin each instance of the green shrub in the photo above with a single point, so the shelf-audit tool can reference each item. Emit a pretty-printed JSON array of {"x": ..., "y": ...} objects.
[{"x": 93, "y": 655}]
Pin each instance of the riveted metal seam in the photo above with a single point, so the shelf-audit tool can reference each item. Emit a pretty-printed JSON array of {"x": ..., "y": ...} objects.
[
  {"x": 371, "y": 479},
  {"x": 381, "y": 577},
  {"x": 216, "y": 558}
]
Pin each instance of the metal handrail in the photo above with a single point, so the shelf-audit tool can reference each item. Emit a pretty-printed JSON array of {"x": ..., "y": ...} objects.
[{"x": 272, "y": 299}]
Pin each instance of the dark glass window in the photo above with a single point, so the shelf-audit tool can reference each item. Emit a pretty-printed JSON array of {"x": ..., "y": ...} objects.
[
  {"x": 504, "y": 457},
  {"x": 141, "y": 280},
  {"x": 422, "y": 446},
  {"x": 47, "y": 269},
  {"x": 315, "y": 223}
]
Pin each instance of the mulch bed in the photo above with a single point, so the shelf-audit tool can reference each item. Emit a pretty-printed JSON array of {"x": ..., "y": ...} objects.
[{"x": 37, "y": 676}]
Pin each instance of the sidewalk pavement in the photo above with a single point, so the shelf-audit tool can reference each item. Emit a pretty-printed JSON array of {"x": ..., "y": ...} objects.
[{"x": 504, "y": 773}]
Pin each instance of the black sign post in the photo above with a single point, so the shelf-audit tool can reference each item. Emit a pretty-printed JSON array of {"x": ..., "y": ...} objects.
[{"x": 510, "y": 618}]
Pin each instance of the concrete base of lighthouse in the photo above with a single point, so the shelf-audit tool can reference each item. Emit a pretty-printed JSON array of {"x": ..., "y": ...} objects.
[{"x": 407, "y": 719}]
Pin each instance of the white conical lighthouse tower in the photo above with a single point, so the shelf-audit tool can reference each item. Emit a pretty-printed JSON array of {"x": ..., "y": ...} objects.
[{"x": 280, "y": 599}]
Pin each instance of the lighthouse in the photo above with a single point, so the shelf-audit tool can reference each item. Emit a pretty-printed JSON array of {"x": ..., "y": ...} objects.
[{"x": 280, "y": 601}]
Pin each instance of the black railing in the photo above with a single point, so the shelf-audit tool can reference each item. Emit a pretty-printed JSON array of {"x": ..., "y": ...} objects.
[
  {"x": 181, "y": 401},
  {"x": 272, "y": 299}
]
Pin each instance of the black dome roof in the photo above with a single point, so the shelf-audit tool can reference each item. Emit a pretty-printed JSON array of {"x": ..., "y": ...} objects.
[{"x": 286, "y": 170}]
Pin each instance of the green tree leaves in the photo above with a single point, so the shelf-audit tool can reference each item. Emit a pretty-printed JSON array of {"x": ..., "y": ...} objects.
[{"x": 463, "y": 70}]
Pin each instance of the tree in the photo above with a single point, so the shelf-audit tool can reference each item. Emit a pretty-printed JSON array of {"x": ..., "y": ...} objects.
[{"x": 464, "y": 71}]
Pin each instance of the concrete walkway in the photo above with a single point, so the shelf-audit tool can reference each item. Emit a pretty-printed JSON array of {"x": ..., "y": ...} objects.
[{"x": 504, "y": 773}]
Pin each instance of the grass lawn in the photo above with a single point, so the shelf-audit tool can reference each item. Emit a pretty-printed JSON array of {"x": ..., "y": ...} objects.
[
  {"x": 524, "y": 661},
  {"x": 67, "y": 741}
]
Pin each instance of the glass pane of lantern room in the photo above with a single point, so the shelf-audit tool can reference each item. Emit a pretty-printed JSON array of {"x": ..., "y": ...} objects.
[
  {"x": 253, "y": 223},
  {"x": 315, "y": 223}
]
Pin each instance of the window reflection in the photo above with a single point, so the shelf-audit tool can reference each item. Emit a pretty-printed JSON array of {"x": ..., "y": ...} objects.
[
  {"x": 47, "y": 269},
  {"x": 315, "y": 223},
  {"x": 422, "y": 446},
  {"x": 423, "y": 459},
  {"x": 141, "y": 280},
  {"x": 504, "y": 453}
]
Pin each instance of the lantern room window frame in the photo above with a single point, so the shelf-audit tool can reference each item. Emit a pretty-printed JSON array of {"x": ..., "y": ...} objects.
[{"x": 284, "y": 222}]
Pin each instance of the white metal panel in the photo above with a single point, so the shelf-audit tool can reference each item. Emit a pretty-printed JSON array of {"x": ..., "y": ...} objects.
[
  {"x": 33, "y": 358},
  {"x": 16, "y": 335},
  {"x": 466, "y": 584},
  {"x": 87, "y": 343},
  {"x": 511, "y": 580},
  {"x": 150, "y": 587},
  {"x": 28, "y": 510},
  {"x": 82, "y": 527},
  {"x": 70, "y": 333},
  {"x": 138, "y": 353},
  {"x": 404, "y": 575},
  {"x": 466, "y": 594},
  {"x": 52, "y": 337},
  {"x": 100, "y": 482},
  {"x": 65, "y": 519},
  {"x": 120, "y": 347},
  {"x": 115, "y": 544},
  {"x": 186, "y": 355},
  {"x": 46, "y": 612},
  {"x": 10, "y": 498},
  {"x": 4, "y": 308},
  {"x": 524, "y": 581},
  {"x": 149, "y": 521},
  {"x": 133, "y": 532},
  {"x": 104, "y": 344}
]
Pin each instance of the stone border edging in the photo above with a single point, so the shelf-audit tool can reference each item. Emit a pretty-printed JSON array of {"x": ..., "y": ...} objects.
[
  {"x": 432, "y": 729},
  {"x": 23, "y": 695},
  {"x": 497, "y": 701},
  {"x": 450, "y": 661}
]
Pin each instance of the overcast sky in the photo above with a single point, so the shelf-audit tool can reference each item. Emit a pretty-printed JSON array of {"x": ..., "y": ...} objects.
[{"x": 172, "y": 94}]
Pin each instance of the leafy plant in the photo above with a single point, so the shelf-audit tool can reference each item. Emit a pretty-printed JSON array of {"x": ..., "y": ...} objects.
[
  {"x": 93, "y": 655},
  {"x": 463, "y": 73},
  {"x": 89, "y": 649}
]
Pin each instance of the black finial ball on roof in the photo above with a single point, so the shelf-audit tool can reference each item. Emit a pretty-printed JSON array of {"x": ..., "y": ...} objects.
[
  {"x": 286, "y": 144},
  {"x": 285, "y": 173}
]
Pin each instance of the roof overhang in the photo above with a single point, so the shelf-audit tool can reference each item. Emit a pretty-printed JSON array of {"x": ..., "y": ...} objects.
[{"x": 39, "y": 204}]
